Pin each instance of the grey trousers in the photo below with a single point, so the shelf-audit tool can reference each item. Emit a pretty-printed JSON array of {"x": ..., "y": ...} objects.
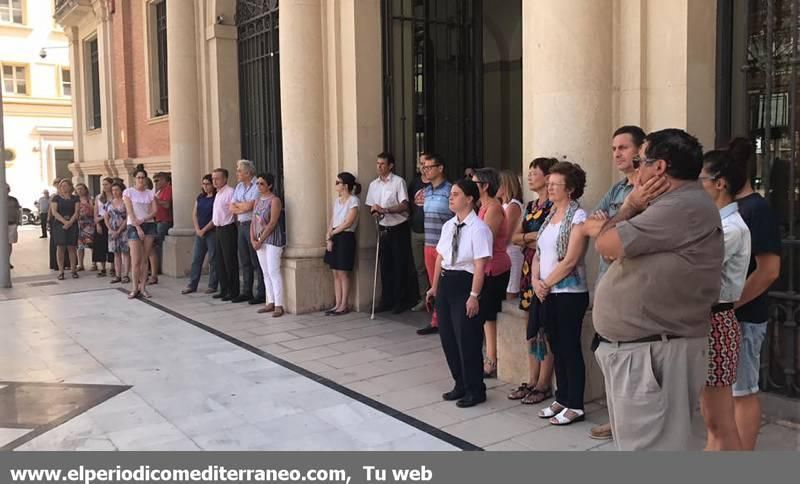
[
  {"x": 418, "y": 250},
  {"x": 653, "y": 392}
]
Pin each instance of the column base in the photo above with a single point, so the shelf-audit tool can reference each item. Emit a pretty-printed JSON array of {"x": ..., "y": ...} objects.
[
  {"x": 308, "y": 285},
  {"x": 512, "y": 352},
  {"x": 177, "y": 254}
]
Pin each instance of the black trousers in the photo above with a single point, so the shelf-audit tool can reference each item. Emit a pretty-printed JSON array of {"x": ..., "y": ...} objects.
[
  {"x": 461, "y": 336},
  {"x": 564, "y": 333},
  {"x": 227, "y": 260},
  {"x": 398, "y": 276},
  {"x": 43, "y": 221}
]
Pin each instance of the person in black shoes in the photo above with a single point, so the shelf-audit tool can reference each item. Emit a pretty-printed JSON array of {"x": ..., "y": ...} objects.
[
  {"x": 464, "y": 249},
  {"x": 225, "y": 227},
  {"x": 388, "y": 202},
  {"x": 244, "y": 200}
]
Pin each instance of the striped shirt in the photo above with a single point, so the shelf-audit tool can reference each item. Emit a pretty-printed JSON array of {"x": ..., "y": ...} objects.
[{"x": 437, "y": 211}]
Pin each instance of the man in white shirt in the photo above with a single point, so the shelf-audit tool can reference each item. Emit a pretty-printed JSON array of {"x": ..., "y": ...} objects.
[
  {"x": 387, "y": 199},
  {"x": 225, "y": 223}
]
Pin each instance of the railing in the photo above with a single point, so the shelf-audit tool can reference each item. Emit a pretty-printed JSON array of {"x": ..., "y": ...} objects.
[{"x": 61, "y": 5}]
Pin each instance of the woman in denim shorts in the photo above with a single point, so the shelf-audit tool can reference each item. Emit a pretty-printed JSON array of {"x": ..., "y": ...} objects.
[{"x": 140, "y": 203}]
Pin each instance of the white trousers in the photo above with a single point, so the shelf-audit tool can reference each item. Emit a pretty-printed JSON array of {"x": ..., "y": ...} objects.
[{"x": 269, "y": 257}]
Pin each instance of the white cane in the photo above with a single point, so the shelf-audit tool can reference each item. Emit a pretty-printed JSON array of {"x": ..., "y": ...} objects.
[{"x": 377, "y": 257}]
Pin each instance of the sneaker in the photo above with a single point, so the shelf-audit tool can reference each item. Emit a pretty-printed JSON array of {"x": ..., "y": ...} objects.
[{"x": 601, "y": 432}]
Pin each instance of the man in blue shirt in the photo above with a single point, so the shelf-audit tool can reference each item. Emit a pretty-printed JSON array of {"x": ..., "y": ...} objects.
[
  {"x": 244, "y": 199},
  {"x": 625, "y": 146},
  {"x": 435, "y": 199}
]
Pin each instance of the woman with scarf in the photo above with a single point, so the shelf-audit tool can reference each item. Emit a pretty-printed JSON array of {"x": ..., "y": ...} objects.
[{"x": 562, "y": 294}]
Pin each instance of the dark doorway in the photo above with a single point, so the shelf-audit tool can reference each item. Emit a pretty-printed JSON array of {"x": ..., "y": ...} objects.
[
  {"x": 63, "y": 158},
  {"x": 432, "y": 71},
  {"x": 259, "y": 85}
]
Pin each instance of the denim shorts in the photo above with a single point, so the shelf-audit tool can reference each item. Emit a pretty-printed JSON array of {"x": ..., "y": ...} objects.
[
  {"x": 149, "y": 229},
  {"x": 748, "y": 369}
]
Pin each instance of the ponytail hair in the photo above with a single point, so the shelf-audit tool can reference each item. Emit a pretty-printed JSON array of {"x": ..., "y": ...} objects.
[
  {"x": 470, "y": 189},
  {"x": 350, "y": 182}
]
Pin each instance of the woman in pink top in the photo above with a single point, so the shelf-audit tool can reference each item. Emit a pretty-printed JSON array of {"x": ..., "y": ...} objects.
[{"x": 498, "y": 270}]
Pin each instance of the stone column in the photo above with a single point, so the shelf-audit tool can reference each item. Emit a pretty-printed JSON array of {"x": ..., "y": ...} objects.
[
  {"x": 184, "y": 131},
  {"x": 308, "y": 282}
]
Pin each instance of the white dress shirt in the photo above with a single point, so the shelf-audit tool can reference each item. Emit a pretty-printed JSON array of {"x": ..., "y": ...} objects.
[
  {"x": 221, "y": 214},
  {"x": 388, "y": 193},
  {"x": 737, "y": 253},
  {"x": 474, "y": 242}
]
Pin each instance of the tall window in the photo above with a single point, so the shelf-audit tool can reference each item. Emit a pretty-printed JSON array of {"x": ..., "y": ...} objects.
[
  {"x": 94, "y": 120},
  {"x": 66, "y": 82},
  {"x": 11, "y": 11},
  {"x": 158, "y": 58},
  {"x": 15, "y": 80}
]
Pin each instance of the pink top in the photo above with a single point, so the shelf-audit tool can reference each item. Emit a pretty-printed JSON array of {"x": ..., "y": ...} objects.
[
  {"x": 500, "y": 262},
  {"x": 222, "y": 214}
]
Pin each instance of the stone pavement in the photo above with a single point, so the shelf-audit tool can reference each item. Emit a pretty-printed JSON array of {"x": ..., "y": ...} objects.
[{"x": 213, "y": 375}]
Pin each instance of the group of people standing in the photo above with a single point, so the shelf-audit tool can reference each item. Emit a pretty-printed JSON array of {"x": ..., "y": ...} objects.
[
  {"x": 121, "y": 226},
  {"x": 240, "y": 229}
]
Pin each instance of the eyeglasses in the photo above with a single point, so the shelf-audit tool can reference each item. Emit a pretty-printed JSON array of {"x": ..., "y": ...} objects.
[
  {"x": 708, "y": 177},
  {"x": 261, "y": 183},
  {"x": 430, "y": 167}
]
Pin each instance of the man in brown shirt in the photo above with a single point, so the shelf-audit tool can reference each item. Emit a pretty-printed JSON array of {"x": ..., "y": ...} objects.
[{"x": 652, "y": 307}]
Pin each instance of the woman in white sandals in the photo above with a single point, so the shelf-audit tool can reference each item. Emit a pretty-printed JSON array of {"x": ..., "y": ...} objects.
[{"x": 562, "y": 295}]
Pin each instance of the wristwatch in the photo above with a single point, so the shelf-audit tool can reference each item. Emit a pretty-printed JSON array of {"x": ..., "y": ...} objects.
[{"x": 474, "y": 294}]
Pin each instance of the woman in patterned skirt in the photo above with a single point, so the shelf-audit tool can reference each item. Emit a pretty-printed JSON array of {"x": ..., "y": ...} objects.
[
  {"x": 116, "y": 220},
  {"x": 722, "y": 179},
  {"x": 536, "y": 389},
  {"x": 85, "y": 222}
]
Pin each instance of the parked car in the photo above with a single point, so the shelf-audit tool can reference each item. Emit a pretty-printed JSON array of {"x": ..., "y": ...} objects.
[{"x": 30, "y": 217}]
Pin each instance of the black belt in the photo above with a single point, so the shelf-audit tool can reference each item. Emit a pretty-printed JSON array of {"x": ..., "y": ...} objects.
[
  {"x": 393, "y": 228},
  {"x": 646, "y": 339},
  {"x": 718, "y": 308}
]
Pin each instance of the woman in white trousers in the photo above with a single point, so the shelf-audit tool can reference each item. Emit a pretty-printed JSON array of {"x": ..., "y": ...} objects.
[{"x": 269, "y": 238}]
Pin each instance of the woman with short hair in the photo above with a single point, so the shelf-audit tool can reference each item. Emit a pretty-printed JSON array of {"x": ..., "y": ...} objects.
[
  {"x": 100, "y": 252},
  {"x": 540, "y": 364},
  {"x": 498, "y": 269},
  {"x": 340, "y": 252},
  {"x": 64, "y": 214},
  {"x": 268, "y": 237},
  {"x": 116, "y": 219},
  {"x": 85, "y": 222},
  {"x": 205, "y": 238},
  {"x": 140, "y": 202},
  {"x": 562, "y": 293},
  {"x": 463, "y": 251}
]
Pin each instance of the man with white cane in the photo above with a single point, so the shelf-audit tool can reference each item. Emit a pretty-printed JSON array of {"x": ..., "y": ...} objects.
[
  {"x": 388, "y": 202},
  {"x": 377, "y": 258}
]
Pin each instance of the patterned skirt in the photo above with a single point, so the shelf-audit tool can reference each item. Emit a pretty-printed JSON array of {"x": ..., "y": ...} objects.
[{"x": 724, "y": 342}]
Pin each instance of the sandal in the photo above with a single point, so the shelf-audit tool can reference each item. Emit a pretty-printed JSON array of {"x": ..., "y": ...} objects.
[
  {"x": 521, "y": 391},
  {"x": 554, "y": 409},
  {"x": 330, "y": 312},
  {"x": 340, "y": 313},
  {"x": 133, "y": 294},
  {"x": 126, "y": 280},
  {"x": 564, "y": 417},
  {"x": 491, "y": 366},
  {"x": 75, "y": 275},
  {"x": 152, "y": 281},
  {"x": 266, "y": 309},
  {"x": 60, "y": 277},
  {"x": 145, "y": 294},
  {"x": 115, "y": 280},
  {"x": 278, "y": 312},
  {"x": 537, "y": 396},
  {"x": 102, "y": 273}
]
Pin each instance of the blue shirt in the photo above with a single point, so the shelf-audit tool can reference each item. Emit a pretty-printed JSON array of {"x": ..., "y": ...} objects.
[
  {"x": 244, "y": 194},
  {"x": 205, "y": 208},
  {"x": 610, "y": 204},
  {"x": 437, "y": 211}
]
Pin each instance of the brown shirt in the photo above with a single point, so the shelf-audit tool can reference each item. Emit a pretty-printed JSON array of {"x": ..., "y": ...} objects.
[{"x": 669, "y": 278}]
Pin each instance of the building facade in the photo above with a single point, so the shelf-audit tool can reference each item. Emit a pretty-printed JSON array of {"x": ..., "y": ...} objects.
[
  {"x": 37, "y": 88},
  {"x": 309, "y": 88}
]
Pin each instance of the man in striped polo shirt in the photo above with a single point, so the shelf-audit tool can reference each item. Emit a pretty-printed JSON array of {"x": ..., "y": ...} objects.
[{"x": 435, "y": 200}]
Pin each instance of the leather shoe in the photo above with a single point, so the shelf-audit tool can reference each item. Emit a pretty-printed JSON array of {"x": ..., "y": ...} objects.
[
  {"x": 470, "y": 401},
  {"x": 220, "y": 295},
  {"x": 240, "y": 298},
  {"x": 427, "y": 330},
  {"x": 226, "y": 298},
  {"x": 453, "y": 394},
  {"x": 255, "y": 301}
]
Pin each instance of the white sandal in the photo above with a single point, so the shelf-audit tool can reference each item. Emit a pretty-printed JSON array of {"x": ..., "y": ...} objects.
[
  {"x": 554, "y": 409},
  {"x": 562, "y": 419}
]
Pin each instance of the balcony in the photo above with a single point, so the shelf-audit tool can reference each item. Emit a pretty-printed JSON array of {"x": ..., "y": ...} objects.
[{"x": 69, "y": 13}]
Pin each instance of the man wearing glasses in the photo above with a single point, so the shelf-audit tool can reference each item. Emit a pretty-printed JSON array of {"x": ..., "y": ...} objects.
[
  {"x": 435, "y": 199},
  {"x": 651, "y": 308},
  {"x": 415, "y": 189}
]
